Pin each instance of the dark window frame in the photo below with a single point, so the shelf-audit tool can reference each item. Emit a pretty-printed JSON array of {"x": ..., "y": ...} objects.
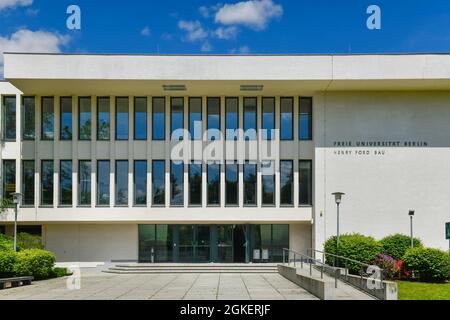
[
  {"x": 80, "y": 161},
  {"x": 116, "y": 123},
  {"x": 23, "y": 118},
  {"x": 201, "y": 183},
  {"x": 235, "y": 163},
  {"x": 158, "y": 205},
  {"x": 238, "y": 120},
  {"x": 256, "y": 184},
  {"x": 189, "y": 118},
  {"x": 135, "y": 204},
  {"x": 174, "y": 205},
  {"x": 310, "y": 119},
  {"x": 272, "y": 136},
  {"x": 311, "y": 178},
  {"x": 43, "y": 138},
  {"x": 153, "y": 119},
  {"x": 13, "y": 161},
  {"x": 256, "y": 118},
  {"x": 97, "y": 120},
  {"x": 273, "y": 204},
  {"x": 208, "y": 204},
  {"x": 3, "y": 124},
  {"x": 79, "y": 118},
  {"x": 116, "y": 204},
  {"x": 292, "y": 118},
  {"x": 42, "y": 204},
  {"x": 60, "y": 195},
  {"x": 97, "y": 176},
  {"x": 60, "y": 118},
  {"x": 171, "y": 114},
  {"x": 146, "y": 119},
  {"x": 292, "y": 184},
  {"x": 22, "y": 188},
  {"x": 207, "y": 117}
]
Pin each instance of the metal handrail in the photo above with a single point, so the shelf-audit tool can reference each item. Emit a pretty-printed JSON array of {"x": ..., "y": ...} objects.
[
  {"x": 361, "y": 264},
  {"x": 310, "y": 260}
]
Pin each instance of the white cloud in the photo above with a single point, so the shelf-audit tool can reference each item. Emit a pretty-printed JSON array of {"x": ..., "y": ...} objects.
[
  {"x": 226, "y": 33},
  {"x": 240, "y": 50},
  {"x": 255, "y": 14},
  {"x": 146, "y": 32},
  {"x": 206, "y": 47},
  {"x": 194, "y": 30},
  {"x": 204, "y": 11},
  {"x": 9, "y": 4},
  {"x": 25, "y": 40}
]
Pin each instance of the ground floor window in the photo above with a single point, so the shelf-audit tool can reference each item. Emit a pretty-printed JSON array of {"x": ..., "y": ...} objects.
[
  {"x": 2, "y": 229},
  {"x": 212, "y": 243}
]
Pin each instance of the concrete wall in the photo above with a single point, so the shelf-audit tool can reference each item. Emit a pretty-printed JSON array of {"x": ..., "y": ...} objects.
[
  {"x": 92, "y": 243},
  {"x": 383, "y": 183}
]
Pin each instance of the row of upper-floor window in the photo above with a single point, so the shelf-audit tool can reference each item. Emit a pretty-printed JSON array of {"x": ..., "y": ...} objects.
[
  {"x": 158, "y": 183},
  {"x": 122, "y": 110}
]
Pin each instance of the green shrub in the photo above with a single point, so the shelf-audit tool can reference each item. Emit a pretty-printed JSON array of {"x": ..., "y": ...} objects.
[
  {"x": 430, "y": 264},
  {"x": 60, "y": 272},
  {"x": 7, "y": 261},
  {"x": 397, "y": 244},
  {"x": 29, "y": 241},
  {"x": 6, "y": 243},
  {"x": 35, "y": 262},
  {"x": 353, "y": 246}
]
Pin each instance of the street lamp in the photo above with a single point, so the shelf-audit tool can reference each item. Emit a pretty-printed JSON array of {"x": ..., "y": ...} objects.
[
  {"x": 338, "y": 199},
  {"x": 411, "y": 216},
  {"x": 16, "y": 199}
]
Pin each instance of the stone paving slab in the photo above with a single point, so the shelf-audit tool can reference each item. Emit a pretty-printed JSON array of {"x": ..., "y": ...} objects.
[{"x": 96, "y": 285}]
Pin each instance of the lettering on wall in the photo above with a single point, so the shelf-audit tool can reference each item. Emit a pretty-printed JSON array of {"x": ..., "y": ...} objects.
[{"x": 373, "y": 148}]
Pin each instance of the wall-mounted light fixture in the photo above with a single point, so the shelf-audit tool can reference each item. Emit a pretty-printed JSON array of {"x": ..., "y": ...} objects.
[
  {"x": 251, "y": 87},
  {"x": 174, "y": 87}
]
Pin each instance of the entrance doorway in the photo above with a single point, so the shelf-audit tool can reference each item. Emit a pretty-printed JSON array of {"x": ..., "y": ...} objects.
[{"x": 239, "y": 244}]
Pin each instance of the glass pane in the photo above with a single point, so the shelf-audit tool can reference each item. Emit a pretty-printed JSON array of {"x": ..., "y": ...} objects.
[
  {"x": 9, "y": 118},
  {"x": 268, "y": 118},
  {"x": 122, "y": 118},
  {"x": 104, "y": 119},
  {"x": 186, "y": 252},
  {"x": 66, "y": 118},
  {"x": 250, "y": 180},
  {"x": 176, "y": 183},
  {"x": 9, "y": 179},
  {"x": 305, "y": 119},
  {"x": 286, "y": 182},
  {"x": 195, "y": 118},
  {"x": 85, "y": 118},
  {"x": 84, "y": 186},
  {"x": 158, "y": 182},
  {"x": 250, "y": 119},
  {"x": 268, "y": 182},
  {"x": 159, "y": 121},
  {"x": 232, "y": 186},
  {"x": 164, "y": 243},
  {"x": 224, "y": 244},
  {"x": 140, "y": 182},
  {"x": 286, "y": 119},
  {"x": 213, "y": 184},
  {"x": 195, "y": 183},
  {"x": 65, "y": 182},
  {"x": 203, "y": 239},
  {"x": 28, "y": 182},
  {"x": 29, "y": 112},
  {"x": 47, "y": 182},
  {"x": 140, "y": 118},
  {"x": 305, "y": 183},
  {"x": 147, "y": 241},
  {"x": 213, "y": 119},
  {"x": 232, "y": 119},
  {"x": 121, "y": 182},
  {"x": 177, "y": 118},
  {"x": 103, "y": 182},
  {"x": 280, "y": 240},
  {"x": 48, "y": 119}
]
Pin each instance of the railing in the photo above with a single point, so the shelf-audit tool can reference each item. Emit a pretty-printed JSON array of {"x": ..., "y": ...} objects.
[
  {"x": 363, "y": 270},
  {"x": 305, "y": 259}
]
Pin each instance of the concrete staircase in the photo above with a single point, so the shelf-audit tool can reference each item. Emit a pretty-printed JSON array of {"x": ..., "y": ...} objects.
[{"x": 139, "y": 268}]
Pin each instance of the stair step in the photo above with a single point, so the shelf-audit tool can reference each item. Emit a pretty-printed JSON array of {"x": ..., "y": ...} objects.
[{"x": 187, "y": 271}]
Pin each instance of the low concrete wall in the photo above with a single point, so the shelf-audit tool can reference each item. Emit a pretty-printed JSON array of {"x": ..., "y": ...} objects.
[
  {"x": 389, "y": 293},
  {"x": 317, "y": 287}
]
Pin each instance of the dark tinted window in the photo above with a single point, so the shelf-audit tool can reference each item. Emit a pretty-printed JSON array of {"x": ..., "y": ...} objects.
[
  {"x": 268, "y": 182},
  {"x": 177, "y": 118},
  {"x": 268, "y": 118},
  {"x": 250, "y": 119},
  {"x": 122, "y": 118},
  {"x": 250, "y": 183},
  {"x": 140, "y": 118},
  {"x": 176, "y": 183},
  {"x": 213, "y": 125},
  {"x": 85, "y": 118},
  {"x": 286, "y": 119},
  {"x": 29, "y": 118},
  {"x": 140, "y": 182},
  {"x": 103, "y": 182},
  {"x": 286, "y": 182},
  {"x": 122, "y": 182},
  {"x": 158, "y": 182},
  {"x": 305, "y": 183},
  {"x": 195, "y": 118},
  {"x": 104, "y": 119},
  {"x": 9, "y": 118},
  {"x": 232, "y": 183},
  {"x": 28, "y": 182},
  {"x": 47, "y": 182},
  {"x": 232, "y": 118},
  {"x": 213, "y": 177},
  {"x": 305, "y": 119},
  {"x": 9, "y": 179},
  {"x": 48, "y": 118},
  {"x": 158, "y": 119},
  {"x": 84, "y": 182},
  {"x": 66, "y": 118},
  {"x": 195, "y": 183},
  {"x": 65, "y": 183}
]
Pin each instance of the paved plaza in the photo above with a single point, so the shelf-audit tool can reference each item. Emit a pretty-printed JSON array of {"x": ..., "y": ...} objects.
[{"x": 96, "y": 285}]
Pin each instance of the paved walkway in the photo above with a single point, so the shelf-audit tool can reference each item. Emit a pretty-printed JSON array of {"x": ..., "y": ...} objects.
[{"x": 101, "y": 286}]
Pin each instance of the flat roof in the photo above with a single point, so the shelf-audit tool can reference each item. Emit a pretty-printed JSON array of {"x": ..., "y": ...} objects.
[{"x": 286, "y": 74}]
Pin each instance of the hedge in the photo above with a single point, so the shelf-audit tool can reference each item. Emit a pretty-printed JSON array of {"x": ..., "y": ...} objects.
[
  {"x": 353, "y": 246},
  {"x": 430, "y": 264},
  {"x": 7, "y": 260},
  {"x": 35, "y": 262},
  {"x": 6, "y": 243},
  {"x": 397, "y": 244},
  {"x": 29, "y": 241}
]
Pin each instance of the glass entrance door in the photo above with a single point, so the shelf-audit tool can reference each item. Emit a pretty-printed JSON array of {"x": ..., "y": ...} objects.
[
  {"x": 194, "y": 244},
  {"x": 225, "y": 244}
]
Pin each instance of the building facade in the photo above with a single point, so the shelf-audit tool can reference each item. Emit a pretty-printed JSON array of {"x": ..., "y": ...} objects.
[{"x": 222, "y": 158}]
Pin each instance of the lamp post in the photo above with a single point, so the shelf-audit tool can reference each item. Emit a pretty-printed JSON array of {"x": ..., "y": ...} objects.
[
  {"x": 16, "y": 199},
  {"x": 411, "y": 216},
  {"x": 338, "y": 199}
]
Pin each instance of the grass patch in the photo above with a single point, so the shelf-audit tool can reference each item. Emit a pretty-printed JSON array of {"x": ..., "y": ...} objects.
[{"x": 423, "y": 291}]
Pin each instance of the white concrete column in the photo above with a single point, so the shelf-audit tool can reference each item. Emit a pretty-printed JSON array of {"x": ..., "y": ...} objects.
[
  {"x": 56, "y": 142},
  {"x": 131, "y": 151},
  {"x": 75, "y": 157},
  {"x": 149, "y": 150},
  {"x": 167, "y": 155}
]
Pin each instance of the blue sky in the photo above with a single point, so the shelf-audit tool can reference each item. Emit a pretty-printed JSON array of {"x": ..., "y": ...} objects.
[{"x": 225, "y": 26}]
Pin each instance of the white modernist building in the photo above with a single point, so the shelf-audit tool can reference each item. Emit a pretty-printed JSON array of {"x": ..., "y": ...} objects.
[{"x": 92, "y": 142}]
